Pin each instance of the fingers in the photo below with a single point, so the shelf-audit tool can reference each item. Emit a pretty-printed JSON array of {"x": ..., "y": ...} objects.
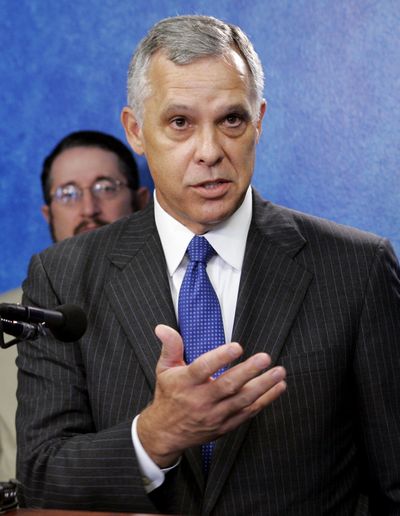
[
  {"x": 243, "y": 391},
  {"x": 235, "y": 378},
  {"x": 261, "y": 389},
  {"x": 201, "y": 369},
  {"x": 236, "y": 418},
  {"x": 245, "y": 386},
  {"x": 247, "y": 400},
  {"x": 209, "y": 363},
  {"x": 172, "y": 348}
]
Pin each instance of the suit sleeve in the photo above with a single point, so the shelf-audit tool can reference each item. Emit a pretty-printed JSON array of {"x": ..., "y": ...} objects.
[
  {"x": 63, "y": 460},
  {"x": 377, "y": 365}
]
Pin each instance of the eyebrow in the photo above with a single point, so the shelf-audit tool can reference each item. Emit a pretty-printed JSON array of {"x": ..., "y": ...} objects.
[{"x": 238, "y": 108}]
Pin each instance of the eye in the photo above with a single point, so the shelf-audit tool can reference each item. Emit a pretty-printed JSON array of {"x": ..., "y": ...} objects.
[
  {"x": 105, "y": 185},
  {"x": 233, "y": 120},
  {"x": 68, "y": 193},
  {"x": 179, "y": 122}
]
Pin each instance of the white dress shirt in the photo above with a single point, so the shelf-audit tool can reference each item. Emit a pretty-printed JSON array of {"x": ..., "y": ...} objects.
[{"x": 224, "y": 270}]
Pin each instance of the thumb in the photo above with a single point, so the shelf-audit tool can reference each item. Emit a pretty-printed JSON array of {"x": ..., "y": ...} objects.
[{"x": 172, "y": 348}]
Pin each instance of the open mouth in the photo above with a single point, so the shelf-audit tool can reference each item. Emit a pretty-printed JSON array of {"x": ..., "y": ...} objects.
[
  {"x": 213, "y": 184},
  {"x": 215, "y": 187},
  {"x": 213, "y": 190}
]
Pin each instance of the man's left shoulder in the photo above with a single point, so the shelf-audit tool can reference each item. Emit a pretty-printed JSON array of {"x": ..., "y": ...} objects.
[
  {"x": 310, "y": 226},
  {"x": 315, "y": 227},
  {"x": 321, "y": 237}
]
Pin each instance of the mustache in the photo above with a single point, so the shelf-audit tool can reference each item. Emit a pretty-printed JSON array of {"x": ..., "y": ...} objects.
[{"x": 90, "y": 222}]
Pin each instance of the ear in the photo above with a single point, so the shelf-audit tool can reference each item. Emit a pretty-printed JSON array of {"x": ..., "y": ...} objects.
[
  {"x": 46, "y": 212},
  {"x": 263, "y": 108},
  {"x": 142, "y": 197},
  {"x": 133, "y": 131}
]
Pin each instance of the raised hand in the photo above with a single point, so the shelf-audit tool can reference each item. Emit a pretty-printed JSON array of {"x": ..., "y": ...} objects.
[{"x": 190, "y": 408}]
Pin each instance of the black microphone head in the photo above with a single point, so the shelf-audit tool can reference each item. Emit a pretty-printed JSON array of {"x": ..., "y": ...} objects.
[{"x": 74, "y": 325}]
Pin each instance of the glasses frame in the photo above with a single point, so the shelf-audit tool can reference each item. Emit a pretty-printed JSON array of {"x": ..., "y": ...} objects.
[{"x": 57, "y": 195}]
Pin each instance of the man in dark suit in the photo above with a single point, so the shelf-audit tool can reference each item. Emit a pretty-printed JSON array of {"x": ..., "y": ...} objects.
[{"x": 116, "y": 420}]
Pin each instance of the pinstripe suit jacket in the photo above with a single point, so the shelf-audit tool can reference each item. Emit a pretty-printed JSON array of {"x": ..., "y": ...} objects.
[{"x": 323, "y": 300}]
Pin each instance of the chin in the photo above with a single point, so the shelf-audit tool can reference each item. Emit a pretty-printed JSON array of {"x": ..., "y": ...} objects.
[
  {"x": 209, "y": 224},
  {"x": 217, "y": 217}
]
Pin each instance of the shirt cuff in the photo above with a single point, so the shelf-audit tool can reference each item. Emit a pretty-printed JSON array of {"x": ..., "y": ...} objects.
[{"x": 152, "y": 475}]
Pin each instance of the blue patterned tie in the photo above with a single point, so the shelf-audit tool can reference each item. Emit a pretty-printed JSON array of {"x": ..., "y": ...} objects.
[{"x": 199, "y": 313}]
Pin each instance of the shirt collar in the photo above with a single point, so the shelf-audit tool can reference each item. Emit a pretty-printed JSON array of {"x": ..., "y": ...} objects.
[{"x": 228, "y": 238}]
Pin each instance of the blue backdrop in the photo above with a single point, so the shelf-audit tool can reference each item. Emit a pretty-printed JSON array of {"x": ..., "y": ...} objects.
[{"x": 330, "y": 144}]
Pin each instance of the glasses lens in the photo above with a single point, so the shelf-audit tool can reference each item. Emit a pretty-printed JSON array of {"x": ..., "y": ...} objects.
[
  {"x": 106, "y": 188},
  {"x": 67, "y": 194}
]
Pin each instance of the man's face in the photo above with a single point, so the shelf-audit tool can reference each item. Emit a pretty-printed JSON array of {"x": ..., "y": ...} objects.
[
  {"x": 198, "y": 136},
  {"x": 82, "y": 167}
]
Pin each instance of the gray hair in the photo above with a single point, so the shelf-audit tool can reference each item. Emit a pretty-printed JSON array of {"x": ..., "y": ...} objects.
[{"x": 185, "y": 39}]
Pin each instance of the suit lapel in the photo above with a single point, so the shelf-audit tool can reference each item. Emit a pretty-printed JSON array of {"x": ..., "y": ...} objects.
[
  {"x": 138, "y": 289},
  {"x": 273, "y": 284},
  {"x": 271, "y": 291}
]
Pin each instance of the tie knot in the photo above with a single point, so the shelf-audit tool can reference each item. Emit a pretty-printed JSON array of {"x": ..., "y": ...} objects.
[{"x": 200, "y": 250}]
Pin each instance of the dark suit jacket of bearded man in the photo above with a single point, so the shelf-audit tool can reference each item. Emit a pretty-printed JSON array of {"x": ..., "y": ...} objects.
[{"x": 322, "y": 299}]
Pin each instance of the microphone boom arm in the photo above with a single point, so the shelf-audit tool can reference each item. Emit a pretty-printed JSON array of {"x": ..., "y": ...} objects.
[{"x": 20, "y": 330}]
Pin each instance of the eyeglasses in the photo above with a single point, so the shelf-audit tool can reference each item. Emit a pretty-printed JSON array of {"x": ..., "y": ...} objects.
[{"x": 103, "y": 189}]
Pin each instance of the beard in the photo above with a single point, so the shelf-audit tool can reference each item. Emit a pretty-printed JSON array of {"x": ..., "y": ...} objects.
[
  {"x": 85, "y": 223},
  {"x": 80, "y": 227}
]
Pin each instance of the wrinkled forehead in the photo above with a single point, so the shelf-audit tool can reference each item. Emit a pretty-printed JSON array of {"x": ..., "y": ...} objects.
[
  {"x": 203, "y": 77},
  {"x": 227, "y": 70}
]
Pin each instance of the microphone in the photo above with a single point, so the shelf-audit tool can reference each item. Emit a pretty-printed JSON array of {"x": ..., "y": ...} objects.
[
  {"x": 67, "y": 322},
  {"x": 22, "y": 330}
]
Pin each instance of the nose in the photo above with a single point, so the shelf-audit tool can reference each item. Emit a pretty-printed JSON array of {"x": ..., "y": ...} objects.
[
  {"x": 208, "y": 150},
  {"x": 90, "y": 205}
]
